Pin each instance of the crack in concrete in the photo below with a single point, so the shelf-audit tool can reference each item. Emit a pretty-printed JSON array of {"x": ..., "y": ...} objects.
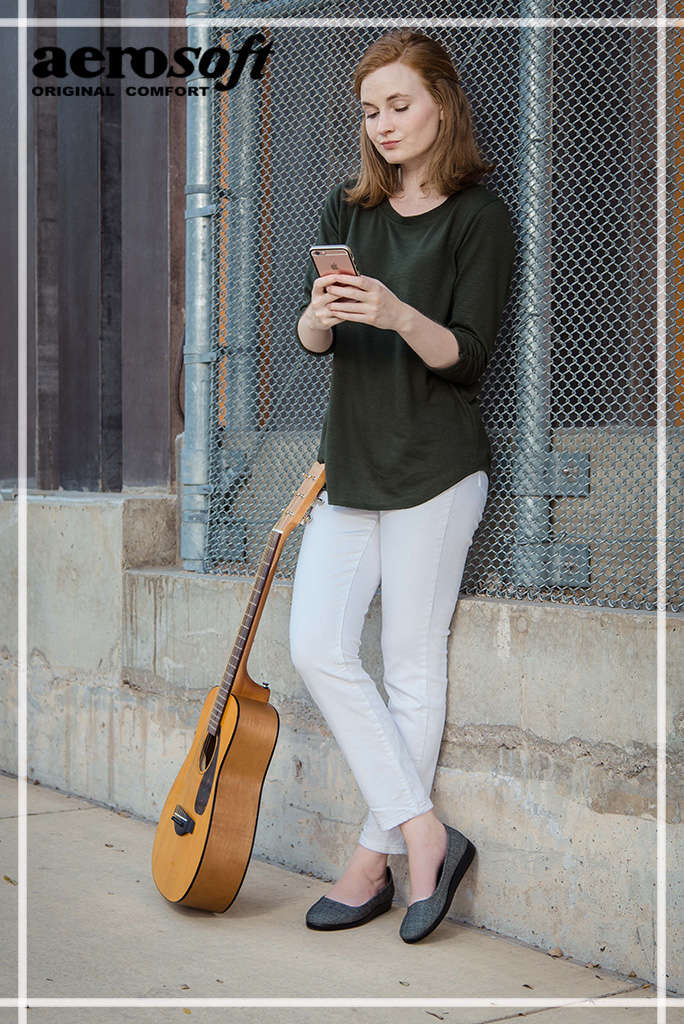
[
  {"x": 187, "y": 696},
  {"x": 523, "y": 1012},
  {"x": 41, "y": 814}
]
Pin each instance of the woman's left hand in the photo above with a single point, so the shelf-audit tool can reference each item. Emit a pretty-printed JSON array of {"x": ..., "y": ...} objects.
[{"x": 366, "y": 300}]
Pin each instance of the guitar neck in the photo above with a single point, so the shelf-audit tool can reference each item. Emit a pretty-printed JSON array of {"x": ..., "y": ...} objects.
[
  {"x": 248, "y": 625},
  {"x": 235, "y": 669}
]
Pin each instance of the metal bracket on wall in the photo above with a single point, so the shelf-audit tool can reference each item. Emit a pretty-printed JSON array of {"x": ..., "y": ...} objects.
[
  {"x": 201, "y": 211},
  {"x": 554, "y": 475},
  {"x": 569, "y": 474},
  {"x": 200, "y": 357},
  {"x": 552, "y": 564},
  {"x": 190, "y": 514},
  {"x": 198, "y": 515},
  {"x": 198, "y": 488}
]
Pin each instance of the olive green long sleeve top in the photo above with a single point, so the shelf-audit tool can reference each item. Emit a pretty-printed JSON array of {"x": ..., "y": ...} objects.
[{"x": 396, "y": 431}]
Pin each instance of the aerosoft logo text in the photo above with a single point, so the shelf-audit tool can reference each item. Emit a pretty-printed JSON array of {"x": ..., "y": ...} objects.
[{"x": 148, "y": 62}]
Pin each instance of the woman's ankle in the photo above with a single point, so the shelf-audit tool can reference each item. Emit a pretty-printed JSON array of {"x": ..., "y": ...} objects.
[
  {"x": 424, "y": 829},
  {"x": 368, "y": 862},
  {"x": 426, "y": 839},
  {"x": 364, "y": 876}
]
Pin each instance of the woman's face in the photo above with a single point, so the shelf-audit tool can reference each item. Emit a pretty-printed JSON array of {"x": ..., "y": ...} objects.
[{"x": 401, "y": 117}]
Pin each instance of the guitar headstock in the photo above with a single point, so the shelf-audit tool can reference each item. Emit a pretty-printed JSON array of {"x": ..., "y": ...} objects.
[{"x": 302, "y": 499}]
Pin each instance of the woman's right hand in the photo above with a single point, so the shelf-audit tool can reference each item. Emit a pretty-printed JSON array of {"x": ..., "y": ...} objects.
[{"x": 319, "y": 318}]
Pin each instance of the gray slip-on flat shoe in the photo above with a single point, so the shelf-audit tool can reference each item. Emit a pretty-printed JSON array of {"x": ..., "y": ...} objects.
[
  {"x": 423, "y": 916},
  {"x": 328, "y": 915}
]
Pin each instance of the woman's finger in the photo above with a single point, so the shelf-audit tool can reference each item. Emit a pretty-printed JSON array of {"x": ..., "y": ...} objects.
[
  {"x": 348, "y": 306},
  {"x": 339, "y": 290},
  {"x": 329, "y": 279}
]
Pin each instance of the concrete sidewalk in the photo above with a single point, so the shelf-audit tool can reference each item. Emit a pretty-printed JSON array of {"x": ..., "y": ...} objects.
[{"x": 98, "y": 928}]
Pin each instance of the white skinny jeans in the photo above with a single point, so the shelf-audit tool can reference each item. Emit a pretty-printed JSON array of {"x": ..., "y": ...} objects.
[{"x": 418, "y": 554}]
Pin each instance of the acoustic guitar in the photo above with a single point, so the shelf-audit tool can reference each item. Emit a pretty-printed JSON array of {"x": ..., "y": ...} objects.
[{"x": 205, "y": 835}]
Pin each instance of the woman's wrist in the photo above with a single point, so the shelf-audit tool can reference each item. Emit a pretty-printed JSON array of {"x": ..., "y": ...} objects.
[
  {"x": 406, "y": 320},
  {"x": 311, "y": 320},
  {"x": 437, "y": 346},
  {"x": 311, "y": 334}
]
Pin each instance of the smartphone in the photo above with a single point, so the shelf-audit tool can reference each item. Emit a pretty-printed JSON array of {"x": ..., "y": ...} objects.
[{"x": 333, "y": 259}]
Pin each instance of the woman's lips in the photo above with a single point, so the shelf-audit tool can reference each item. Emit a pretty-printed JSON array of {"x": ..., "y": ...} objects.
[{"x": 390, "y": 145}]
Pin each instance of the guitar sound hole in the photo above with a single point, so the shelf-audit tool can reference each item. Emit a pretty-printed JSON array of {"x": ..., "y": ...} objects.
[{"x": 207, "y": 752}]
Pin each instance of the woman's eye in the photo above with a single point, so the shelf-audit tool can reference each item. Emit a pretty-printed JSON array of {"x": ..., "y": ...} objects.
[{"x": 397, "y": 110}]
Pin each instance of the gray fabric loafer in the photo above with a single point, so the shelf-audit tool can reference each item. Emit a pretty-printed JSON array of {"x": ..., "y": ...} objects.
[
  {"x": 423, "y": 916},
  {"x": 329, "y": 915}
]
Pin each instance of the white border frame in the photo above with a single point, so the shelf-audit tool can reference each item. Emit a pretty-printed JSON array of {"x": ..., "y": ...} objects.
[{"x": 661, "y": 24}]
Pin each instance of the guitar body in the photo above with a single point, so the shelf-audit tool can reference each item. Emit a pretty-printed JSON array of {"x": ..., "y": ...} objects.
[{"x": 200, "y": 857}]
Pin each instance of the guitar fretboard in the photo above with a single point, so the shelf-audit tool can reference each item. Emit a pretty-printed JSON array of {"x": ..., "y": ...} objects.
[{"x": 243, "y": 632}]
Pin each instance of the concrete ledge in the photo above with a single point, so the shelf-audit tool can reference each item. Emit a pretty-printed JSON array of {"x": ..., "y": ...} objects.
[{"x": 548, "y": 760}]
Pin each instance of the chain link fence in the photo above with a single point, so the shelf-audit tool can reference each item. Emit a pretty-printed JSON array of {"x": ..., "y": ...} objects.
[{"x": 569, "y": 116}]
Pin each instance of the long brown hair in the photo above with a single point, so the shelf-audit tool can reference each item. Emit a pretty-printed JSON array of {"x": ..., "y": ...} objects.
[{"x": 454, "y": 161}]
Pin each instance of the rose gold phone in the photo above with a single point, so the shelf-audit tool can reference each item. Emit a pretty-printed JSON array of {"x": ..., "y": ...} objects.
[{"x": 333, "y": 259}]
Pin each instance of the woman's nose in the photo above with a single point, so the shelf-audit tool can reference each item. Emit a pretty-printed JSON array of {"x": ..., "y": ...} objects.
[{"x": 385, "y": 123}]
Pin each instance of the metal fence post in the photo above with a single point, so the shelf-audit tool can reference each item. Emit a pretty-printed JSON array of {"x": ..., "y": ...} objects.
[
  {"x": 533, "y": 426},
  {"x": 243, "y": 211},
  {"x": 198, "y": 295}
]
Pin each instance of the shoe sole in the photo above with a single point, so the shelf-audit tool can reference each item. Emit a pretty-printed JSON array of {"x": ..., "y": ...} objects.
[
  {"x": 463, "y": 865},
  {"x": 350, "y": 924}
]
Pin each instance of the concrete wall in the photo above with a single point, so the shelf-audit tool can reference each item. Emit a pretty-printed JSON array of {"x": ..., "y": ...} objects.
[{"x": 548, "y": 760}]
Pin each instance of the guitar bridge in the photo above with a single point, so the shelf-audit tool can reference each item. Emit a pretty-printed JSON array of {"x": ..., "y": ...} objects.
[{"x": 182, "y": 821}]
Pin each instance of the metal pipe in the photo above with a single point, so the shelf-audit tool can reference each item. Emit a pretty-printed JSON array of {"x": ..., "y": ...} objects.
[
  {"x": 531, "y": 552},
  {"x": 243, "y": 212},
  {"x": 198, "y": 294}
]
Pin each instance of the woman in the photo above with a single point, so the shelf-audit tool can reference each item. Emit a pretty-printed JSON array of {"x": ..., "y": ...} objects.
[{"x": 406, "y": 459}]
